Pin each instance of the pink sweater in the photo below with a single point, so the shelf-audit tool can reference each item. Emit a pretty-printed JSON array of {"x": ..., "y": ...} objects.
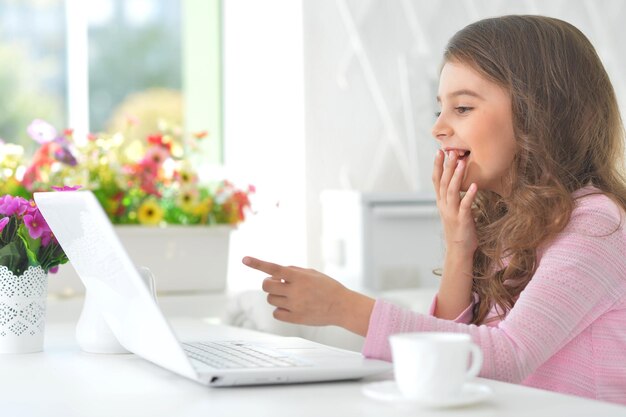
[{"x": 567, "y": 330}]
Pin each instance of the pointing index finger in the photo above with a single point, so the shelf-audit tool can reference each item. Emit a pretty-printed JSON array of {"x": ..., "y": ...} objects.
[{"x": 259, "y": 265}]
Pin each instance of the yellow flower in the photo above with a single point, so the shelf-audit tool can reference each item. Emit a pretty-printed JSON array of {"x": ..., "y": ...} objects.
[
  {"x": 185, "y": 175},
  {"x": 150, "y": 213},
  {"x": 203, "y": 208},
  {"x": 187, "y": 199}
]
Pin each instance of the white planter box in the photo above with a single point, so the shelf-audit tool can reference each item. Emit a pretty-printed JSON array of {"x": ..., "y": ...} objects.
[{"x": 182, "y": 258}]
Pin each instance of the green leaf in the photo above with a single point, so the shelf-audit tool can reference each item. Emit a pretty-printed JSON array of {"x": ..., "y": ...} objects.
[
  {"x": 51, "y": 256},
  {"x": 8, "y": 233},
  {"x": 13, "y": 256},
  {"x": 30, "y": 245}
]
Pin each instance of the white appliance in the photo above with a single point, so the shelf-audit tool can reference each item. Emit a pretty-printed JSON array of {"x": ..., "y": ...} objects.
[{"x": 378, "y": 242}]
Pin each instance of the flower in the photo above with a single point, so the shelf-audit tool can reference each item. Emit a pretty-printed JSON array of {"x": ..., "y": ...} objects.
[
  {"x": 35, "y": 224},
  {"x": 10, "y": 205},
  {"x": 201, "y": 135},
  {"x": 3, "y": 222},
  {"x": 150, "y": 213},
  {"x": 25, "y": 237},
  {"x": 41, "y": 131},
  {"x": 187, "y": 199},
  {"x": 66, "y": 188},
  {"x": 138, "y": 180}
]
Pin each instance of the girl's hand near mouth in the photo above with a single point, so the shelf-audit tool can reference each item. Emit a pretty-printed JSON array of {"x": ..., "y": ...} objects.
[{"x": 455, "y": 291}]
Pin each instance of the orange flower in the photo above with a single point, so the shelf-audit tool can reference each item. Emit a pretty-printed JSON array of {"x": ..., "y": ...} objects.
[{"x": 201, "y": 135}]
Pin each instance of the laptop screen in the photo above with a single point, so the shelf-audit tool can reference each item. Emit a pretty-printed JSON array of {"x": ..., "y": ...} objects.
[{"x": 112, "y": 280}]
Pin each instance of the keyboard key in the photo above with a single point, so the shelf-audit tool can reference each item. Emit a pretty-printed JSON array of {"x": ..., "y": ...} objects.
[{"x": 228, "y": 355}]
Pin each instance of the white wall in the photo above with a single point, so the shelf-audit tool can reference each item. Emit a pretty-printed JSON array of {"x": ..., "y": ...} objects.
[
  {"x": 304, "y": 112},
  {"x": 264, "y": 130},
  {"x": 370, "y": 91}
]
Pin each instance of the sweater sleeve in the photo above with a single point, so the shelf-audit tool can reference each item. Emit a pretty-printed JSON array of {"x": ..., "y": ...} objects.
[
  {"x": 464, "y": 317},
  {"x": 579, "y": 277}
]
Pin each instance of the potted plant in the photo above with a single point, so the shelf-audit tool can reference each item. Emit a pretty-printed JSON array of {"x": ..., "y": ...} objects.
[
  {"x": 149, "y": 189},
  {"x": 28, "y": 251}
]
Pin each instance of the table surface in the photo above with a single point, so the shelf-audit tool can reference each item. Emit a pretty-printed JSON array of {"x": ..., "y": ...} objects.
[{"x": 64, "y": 381}]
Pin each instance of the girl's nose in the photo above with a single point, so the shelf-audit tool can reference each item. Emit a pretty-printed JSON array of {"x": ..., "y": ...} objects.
[{"x": 441, "y": 129}]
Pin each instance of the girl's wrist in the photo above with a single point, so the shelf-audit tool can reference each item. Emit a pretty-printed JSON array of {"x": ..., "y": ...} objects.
[
  {"x": 354, "y": 312},
  {"x": 458, "y": 266},
  {"x": 460, "y": 250}
]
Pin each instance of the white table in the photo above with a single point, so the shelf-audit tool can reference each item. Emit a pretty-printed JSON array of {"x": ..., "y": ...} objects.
[{"x": 62, "y": 381}]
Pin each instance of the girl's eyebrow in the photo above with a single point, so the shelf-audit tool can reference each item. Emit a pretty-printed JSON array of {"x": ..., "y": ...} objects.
[{"x": 463, "y": 92}]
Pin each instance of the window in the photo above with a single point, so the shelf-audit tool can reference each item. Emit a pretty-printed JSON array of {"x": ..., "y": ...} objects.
[
  {"x": 96, "y": 65},
  {"x": 33, "y": 71},
  {"x": 134, "y": 62}
]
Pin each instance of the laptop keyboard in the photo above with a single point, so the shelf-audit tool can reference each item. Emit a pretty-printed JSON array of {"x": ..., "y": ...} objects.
[{"x": 224, "y": 355}]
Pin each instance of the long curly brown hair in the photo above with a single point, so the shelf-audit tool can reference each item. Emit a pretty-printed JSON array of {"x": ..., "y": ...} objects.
[{"x": 569, "y": 134}]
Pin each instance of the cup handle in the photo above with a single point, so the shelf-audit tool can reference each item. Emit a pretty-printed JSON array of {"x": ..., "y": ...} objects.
[{"x": 477, "y": 361}]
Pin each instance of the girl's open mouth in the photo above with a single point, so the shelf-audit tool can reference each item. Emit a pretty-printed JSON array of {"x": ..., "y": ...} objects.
[
  {"x": 461, "y": 154},
  {"x": 464, "y": 155}
]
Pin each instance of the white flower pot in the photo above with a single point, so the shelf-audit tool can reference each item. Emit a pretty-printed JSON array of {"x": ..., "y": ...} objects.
[
  {"x": 182, "y": 258},
  {"x": 22, "y": 310}
]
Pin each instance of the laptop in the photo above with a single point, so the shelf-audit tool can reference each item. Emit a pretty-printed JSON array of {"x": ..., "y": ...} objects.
[{"x": 225, "y": 358}]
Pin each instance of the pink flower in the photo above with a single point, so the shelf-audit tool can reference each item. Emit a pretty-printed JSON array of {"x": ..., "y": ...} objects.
[
  {"x": 155, "y": 155},
  {"x": 41, "y": 131},
  {"x": 131, "y": 120},
  {"x": 31, "y": 207},
  {"x": 67, "y": 188},
  {"x": 3, "y": 222},
  {"x": 36, "y": 225},
  {"x": 46, "y": 237},
  {"x": 54, "y": 269},
  {"x": 10, "y": 205}
]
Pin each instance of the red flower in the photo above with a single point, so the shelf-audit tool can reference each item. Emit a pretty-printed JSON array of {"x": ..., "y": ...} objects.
[
  {"x": 156, "y": 139},
  {"x": 160, "y": 140}
]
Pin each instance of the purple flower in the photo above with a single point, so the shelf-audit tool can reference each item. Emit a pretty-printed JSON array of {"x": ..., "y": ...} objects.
[
  {"x": 41, "y": 131},
  {"x": 31, "y": 207},
  {"x": 10, "y": 205},
  {"x": 54, "y": 269},
  {"x": 36, "y": 225},
  {"x": 64, "y": 155},
  {"x": 3, "y": 222},
  {"x": 46, "y": 237},
  {"x": 66, "y": 188}
]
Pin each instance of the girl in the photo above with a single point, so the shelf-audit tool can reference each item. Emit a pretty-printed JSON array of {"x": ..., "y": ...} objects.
[{"x": 531, "y": 192}]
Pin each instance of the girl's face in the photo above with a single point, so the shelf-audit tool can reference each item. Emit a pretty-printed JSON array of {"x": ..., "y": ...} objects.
[{"x": 476, "y": 116}]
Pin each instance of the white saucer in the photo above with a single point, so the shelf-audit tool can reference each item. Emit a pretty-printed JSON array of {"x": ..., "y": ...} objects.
[{"x": 388, "y": 391}]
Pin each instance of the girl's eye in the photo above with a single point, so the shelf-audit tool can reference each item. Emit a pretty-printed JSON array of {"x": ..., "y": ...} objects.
[
  {"x": 462, "y": 109},
  {"x": 459, "y": 110}
]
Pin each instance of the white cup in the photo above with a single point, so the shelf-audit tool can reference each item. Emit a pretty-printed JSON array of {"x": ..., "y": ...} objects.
[{"x": 433, "y": 365}]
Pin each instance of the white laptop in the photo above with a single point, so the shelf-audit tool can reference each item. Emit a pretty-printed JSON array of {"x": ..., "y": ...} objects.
[{"x": 89, "y": 240}]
